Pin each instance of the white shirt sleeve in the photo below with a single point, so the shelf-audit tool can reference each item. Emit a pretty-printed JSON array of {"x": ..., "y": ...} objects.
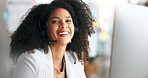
[{"x": 26, "y": 66}]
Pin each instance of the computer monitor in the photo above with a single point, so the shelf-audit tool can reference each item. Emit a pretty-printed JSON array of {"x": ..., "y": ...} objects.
[{"x": 129, "y": 58}]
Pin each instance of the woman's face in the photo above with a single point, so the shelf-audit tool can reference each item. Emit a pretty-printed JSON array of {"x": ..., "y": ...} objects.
[{"x": 60, "y": 26}]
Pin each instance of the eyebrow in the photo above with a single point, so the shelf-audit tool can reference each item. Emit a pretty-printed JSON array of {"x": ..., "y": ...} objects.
[
  {"x": 68, "y": 17},
  {"x": 54, "y": 17},
  {"x": 59, "y": 18}
]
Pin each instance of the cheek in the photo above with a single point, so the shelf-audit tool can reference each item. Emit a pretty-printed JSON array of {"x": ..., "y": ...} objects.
[
  {"x": 72, "y": 30},
  {"x": 51, "y": 31},
  {"x": 72, "y": 27}
]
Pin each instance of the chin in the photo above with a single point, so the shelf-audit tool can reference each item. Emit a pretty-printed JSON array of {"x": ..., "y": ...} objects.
[{"x": 64, "y": 43}]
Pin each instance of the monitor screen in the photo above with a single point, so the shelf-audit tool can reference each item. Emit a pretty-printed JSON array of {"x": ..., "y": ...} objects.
[{"x": 130, "y": 42}]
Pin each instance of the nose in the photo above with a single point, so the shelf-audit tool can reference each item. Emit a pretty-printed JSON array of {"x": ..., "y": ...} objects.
[{"x": 63, "y": 25}]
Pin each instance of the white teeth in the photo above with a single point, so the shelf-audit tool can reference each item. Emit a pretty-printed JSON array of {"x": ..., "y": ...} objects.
[{"x": 63, "y": 33}]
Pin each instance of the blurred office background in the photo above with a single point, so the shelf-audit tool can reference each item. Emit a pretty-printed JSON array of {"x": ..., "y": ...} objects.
[{"x": 12, "y": 12}]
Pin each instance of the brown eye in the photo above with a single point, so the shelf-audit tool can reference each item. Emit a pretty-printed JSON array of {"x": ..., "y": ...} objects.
[
  {"x": 54, "y": 21},
  {"x": 68, "y": 20}
]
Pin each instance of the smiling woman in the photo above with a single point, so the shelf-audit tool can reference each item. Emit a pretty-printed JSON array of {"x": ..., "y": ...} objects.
[
  {"x": 52, "y": 41},
  {"x": 60, "y": 26}
]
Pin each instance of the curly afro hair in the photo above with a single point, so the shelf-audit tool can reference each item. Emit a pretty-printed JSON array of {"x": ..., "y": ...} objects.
[{"x": 31, "y": 33}]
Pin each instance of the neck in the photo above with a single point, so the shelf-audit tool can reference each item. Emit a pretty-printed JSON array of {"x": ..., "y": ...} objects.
[{"x": 57, "y": 55}]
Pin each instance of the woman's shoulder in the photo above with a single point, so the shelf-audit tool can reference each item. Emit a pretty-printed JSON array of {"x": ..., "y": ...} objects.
[
  {"x": 72, "y": 57},
  {"x": 29, "y": 63},
  {"x": 75, "y": 65},
  {"x": 36, "y": 53},
  {"x": 34, "y": 57}
]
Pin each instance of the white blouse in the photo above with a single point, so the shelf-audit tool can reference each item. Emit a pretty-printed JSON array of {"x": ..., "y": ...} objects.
[{"x": 40, "y": 65}]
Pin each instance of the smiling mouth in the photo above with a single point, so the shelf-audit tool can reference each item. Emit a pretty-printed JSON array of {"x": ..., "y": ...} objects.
[{"x": 63, "y": 33}]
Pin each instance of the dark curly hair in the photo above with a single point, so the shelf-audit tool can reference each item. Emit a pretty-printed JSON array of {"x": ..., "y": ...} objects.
[{"x": 32, "y": 33}]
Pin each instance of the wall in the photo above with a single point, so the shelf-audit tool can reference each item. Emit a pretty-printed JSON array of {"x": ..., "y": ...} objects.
[{"x": 4, "y": 43}]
